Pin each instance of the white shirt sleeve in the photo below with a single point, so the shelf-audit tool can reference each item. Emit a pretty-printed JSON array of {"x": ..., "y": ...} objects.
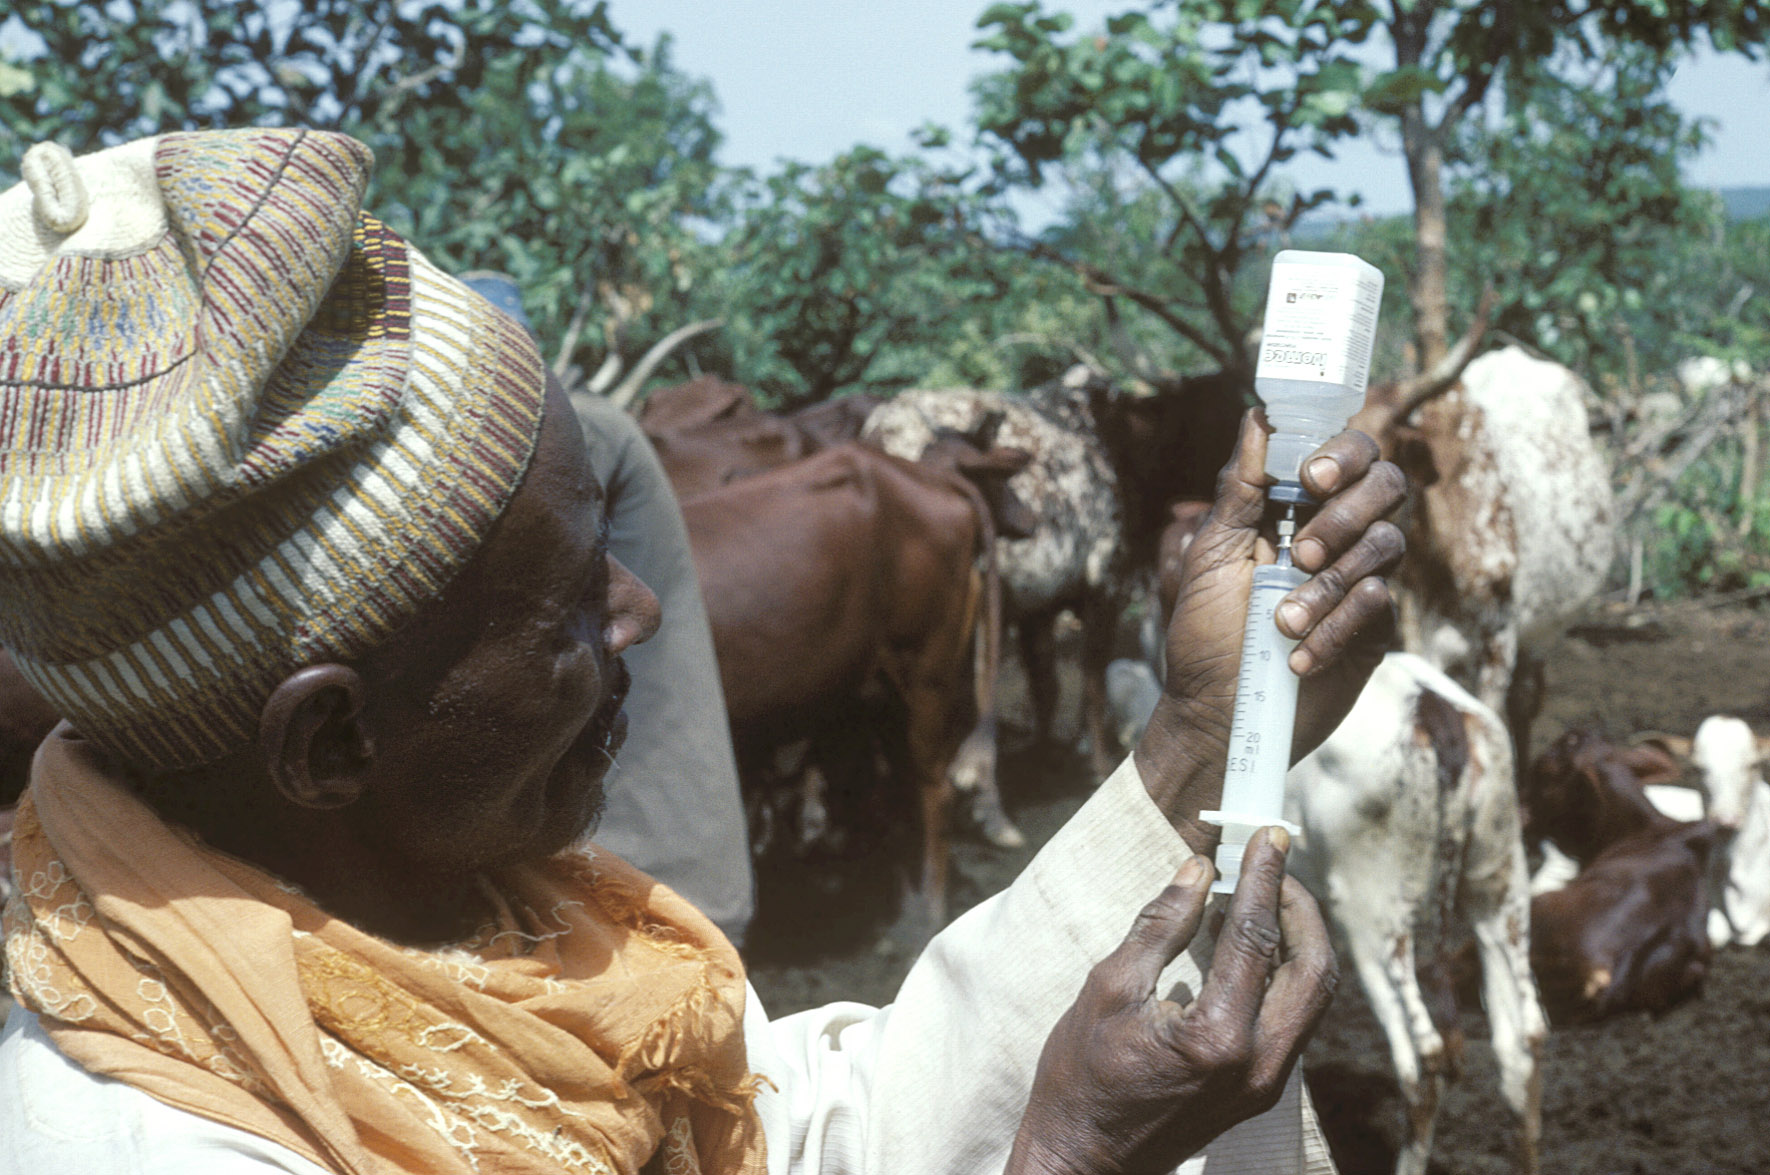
[
  {"x": 934, "y": 1083},
  {"x": 56, "y": 1117},
  {"x": 937, "y": 1081}
]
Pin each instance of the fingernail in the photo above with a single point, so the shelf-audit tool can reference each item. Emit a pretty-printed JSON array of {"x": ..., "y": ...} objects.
[
  {"x": 1291, "y": 617},
  {"x": 1279, "y": 838},
  {"x": 1325, "y": 473},
  {"x": 1191, "y": 872},
  {"x": 1301, "y": 662}
]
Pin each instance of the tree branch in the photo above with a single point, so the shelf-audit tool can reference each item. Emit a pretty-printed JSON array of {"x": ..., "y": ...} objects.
[{"x": 1414, "y": 393}]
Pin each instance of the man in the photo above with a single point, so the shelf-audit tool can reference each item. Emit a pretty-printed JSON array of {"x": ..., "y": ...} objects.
[
  {"x": 675, "y": 809},
  {"x": 297, "y": 536}
]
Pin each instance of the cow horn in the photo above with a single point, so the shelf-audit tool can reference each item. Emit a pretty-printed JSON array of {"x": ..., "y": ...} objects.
[
  {"x": 1676, "y": 745},
  {"x": 628, "y": 388}
]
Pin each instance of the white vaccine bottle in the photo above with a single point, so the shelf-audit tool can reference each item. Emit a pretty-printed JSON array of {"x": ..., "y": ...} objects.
[{"x": 1315, "y": 351}]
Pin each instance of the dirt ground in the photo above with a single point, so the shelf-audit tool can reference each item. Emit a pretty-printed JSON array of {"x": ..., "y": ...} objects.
[{"x": 1687, "y": 1094}]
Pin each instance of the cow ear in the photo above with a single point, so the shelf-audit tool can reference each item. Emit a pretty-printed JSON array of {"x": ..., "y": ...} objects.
[
  {"x": 1652, "y": 764},
  {"x": 1675, "y": 745},
  {"x": 1000, "y": 460}
]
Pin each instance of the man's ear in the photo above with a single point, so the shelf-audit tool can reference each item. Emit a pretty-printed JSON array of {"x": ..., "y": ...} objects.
[{"x": 312, "y": 738}]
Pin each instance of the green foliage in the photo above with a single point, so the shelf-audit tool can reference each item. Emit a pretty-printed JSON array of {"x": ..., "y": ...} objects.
[
  {"x": 1130, "y": 113},
  {"x": 1705, "y": 537},
  {"x": 507, "y": 135},
  {"x": 857, "y": 273},
  {"x": 589, "y": 181},
  {"x": 106, "y": 71},
  {"x": 1571, "y": 201}
]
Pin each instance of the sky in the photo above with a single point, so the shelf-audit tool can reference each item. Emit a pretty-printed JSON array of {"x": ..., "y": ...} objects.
[{"x": 805, "y": 79}]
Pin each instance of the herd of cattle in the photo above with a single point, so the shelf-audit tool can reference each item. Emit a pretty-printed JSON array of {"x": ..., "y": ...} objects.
[{"x": 862, "y": 560}]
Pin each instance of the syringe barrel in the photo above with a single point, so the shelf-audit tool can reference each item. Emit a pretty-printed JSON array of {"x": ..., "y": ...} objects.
[{"x": 1260, "y": 733}]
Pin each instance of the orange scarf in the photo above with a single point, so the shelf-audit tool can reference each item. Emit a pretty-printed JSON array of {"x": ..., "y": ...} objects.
[{"x": 596, "y": 1027}]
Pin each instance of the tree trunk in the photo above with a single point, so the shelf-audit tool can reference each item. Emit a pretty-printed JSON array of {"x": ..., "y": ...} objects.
[{"x": 1428, "y": 282}]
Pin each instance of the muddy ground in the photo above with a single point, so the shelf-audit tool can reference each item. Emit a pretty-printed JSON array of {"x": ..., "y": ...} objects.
[{"x": 1687, "y": 1094}]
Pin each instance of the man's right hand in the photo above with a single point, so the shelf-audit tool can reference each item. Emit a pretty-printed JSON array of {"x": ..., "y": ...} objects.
[{"x": 1129, "y": 1082}]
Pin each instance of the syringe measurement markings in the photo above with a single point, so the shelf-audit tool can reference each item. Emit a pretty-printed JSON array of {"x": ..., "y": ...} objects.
[{"x": 1253, "y": 635}]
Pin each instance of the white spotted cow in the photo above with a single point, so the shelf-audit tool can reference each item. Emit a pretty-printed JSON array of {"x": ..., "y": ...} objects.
[
  {"x": 1511, "y": 528},
  {"x": 1410, "y": 838},
  {"x": 1411, "y": 835}
]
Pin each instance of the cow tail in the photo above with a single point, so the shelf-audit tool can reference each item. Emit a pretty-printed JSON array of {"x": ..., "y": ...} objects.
[{"x": 988, "y": 649}]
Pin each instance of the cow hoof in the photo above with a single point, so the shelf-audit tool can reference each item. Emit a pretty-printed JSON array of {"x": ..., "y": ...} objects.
[
  {"x": 993, "y": 823},
  {"x": 1001, "y": 833}
]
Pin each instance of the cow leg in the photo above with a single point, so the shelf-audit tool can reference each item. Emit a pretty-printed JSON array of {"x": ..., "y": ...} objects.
[
  {"x": 1384, "y": 960},
  {"x": 1038, "y": 653},
  {"x": 1099, "y": 628},
  {"x": 1495, "y": 897},
  {"x": 928, "y": 742},
  {"x": 1495, "y": 660},
  {"x": 1524, "y": 701},
  {"x": 974, "y": 773}
]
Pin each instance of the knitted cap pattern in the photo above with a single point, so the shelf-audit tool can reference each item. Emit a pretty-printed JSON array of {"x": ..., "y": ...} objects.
[{"x": 244, "y": 427}]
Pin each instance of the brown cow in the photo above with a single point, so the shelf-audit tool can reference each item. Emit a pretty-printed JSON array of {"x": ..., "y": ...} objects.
[
  {"x": 837, "y": 420},
  {"x": 715, "y": 453},
  {"x": 838, "y": 572},
  {"x": 1630, "y": 931},
  {"x": 699, "y": 401}
]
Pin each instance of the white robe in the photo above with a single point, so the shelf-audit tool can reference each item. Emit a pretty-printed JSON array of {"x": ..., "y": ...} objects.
[{"x": 934, "y": 1082}]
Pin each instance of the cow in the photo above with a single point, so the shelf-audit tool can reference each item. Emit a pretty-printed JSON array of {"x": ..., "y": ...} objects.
[
  {"x": 836, "y": 420},
  {"x": 1104, "y": 466},
  {"x": 1511, "y": 524},
  {"x": 701, "y": 458},
  {"x": 1729, "y": 760},
  {"x": 829, "y": 576},
  {"x": 1410, "y": 838},
  {"x": 699, "y": 401},
  {"x": 1629, "y": 931}
]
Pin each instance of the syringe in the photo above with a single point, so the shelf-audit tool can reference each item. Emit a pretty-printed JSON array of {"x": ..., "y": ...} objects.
[
  {"x": 1315, "y": 350},
  {"x": 1265, "y": 711}
]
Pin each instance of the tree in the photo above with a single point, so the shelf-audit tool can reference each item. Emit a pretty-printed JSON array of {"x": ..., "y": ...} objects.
[
  {"x": 1572, "y": 197},
  {"x": 853, "y": 272},
  {"x": 590, "y": 181},
  {"x": 1448, "y": 55},
  {"x": 516, "y": 136},
  {"x": 1136, "y": 110},
  {"x": 1165, "y": 90},
  {"x": 98, "y": 72}
]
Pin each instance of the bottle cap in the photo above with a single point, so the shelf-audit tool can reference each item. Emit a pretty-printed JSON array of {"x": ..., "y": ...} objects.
[{"x": 1290, "y": 491}]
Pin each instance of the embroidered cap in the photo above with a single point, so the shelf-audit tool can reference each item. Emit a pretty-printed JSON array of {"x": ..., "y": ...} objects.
[{"x": 244, "y": 427}]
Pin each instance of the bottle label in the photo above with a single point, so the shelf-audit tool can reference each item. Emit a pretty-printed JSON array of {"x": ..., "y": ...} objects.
[{"x": 1320, "y": 323}]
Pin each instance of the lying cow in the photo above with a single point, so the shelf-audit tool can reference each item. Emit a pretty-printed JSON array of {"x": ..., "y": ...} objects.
[
  {"x": 1629, "y": 931},
  {"x": 828, "y": 576},
  {"x": 1730, "y": 759}
]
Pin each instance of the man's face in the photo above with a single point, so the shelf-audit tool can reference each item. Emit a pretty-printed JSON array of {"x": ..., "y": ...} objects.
[{"x": 497, "y": 714}]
